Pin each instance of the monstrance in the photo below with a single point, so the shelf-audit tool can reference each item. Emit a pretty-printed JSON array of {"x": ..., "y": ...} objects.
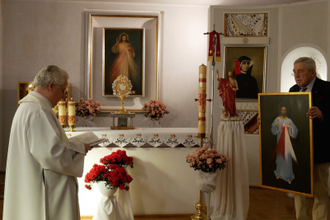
[{"x": 122, "y": 88}]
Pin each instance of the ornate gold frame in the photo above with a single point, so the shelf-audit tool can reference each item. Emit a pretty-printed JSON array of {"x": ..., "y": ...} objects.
[
  {"x": 297, "y": 104},
  {"x": 96, "y": 22}
]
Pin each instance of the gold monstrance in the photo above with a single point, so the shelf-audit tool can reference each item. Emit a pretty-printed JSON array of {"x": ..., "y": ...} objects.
[{"x": 122, "y": 88}]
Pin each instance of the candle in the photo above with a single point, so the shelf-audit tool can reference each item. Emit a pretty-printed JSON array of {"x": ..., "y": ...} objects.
[
  {"x": 71, "y": 112},
  {"x": 61, "y": 113},
  {"x": 202, "y": 100}
]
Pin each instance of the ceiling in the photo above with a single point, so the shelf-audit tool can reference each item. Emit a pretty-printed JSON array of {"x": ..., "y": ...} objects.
[
  {"x": 196, "y": 2},
  {"x": 217, "y": 2}
]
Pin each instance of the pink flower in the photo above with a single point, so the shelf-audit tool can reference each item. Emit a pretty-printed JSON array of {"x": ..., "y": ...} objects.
[{"x": 206, "y": 159}]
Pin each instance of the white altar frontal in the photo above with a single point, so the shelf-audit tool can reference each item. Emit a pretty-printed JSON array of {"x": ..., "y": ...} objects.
[
  {"x": 230, "y": 200},
  {"x": 163, "y": 183}
]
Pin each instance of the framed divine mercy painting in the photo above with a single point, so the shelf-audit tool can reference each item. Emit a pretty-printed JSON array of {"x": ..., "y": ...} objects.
[
  {"x": 286, "y": 142},
  {"x": 123, "y": 54},
  {"x": 141, "y": 36}
]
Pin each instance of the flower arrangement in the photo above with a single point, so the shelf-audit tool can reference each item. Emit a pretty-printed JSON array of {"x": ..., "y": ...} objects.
[
  {"x": 112, "y": 171},
  {"x": 119, "y": 158},
  {"x": 207, "y": 160},
  {"x": 155, "y": 109},
  {"x": 87, "y": 107}
]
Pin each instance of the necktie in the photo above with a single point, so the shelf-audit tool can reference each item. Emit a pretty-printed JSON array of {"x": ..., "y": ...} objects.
[{"x": 304, "y": 89}]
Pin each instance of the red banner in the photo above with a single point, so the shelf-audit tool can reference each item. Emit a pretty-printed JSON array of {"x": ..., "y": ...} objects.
[
  {"x": 237, "y": 68},
  {"x": 217, "y": 48}
]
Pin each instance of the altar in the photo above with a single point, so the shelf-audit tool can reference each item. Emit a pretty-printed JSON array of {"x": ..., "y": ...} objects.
[{"x": 163, "y": 183}]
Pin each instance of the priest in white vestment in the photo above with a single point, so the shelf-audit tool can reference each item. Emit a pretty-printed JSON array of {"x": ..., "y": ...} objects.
[{"x": 42, "y": 164}]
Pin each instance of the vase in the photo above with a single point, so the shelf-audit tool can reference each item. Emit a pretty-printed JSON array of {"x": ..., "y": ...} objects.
[
  {"x": 155, "y": 124},
  {"x": 104, "y": 190},
  {"x": 108, "y": 208},
  {"x": 85, "y": 122},
  {"x": 207, "y": 181}
]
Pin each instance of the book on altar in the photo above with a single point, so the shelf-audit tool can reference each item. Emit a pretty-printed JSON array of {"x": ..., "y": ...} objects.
[{"x": 88, "y": 137}]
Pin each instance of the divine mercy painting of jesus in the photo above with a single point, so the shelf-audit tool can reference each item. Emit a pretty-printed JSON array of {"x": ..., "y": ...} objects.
[
  {"x": 286, "y": 148},
  {"x": 123, "y": 55}
]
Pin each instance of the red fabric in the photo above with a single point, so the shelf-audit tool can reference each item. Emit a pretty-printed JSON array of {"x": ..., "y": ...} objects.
[
  {"x": 217, "y": 48},
  {"x": 228, "y": 94},
  {"x": 280, "y": 147},
  {"x": 237, "y": 68}
]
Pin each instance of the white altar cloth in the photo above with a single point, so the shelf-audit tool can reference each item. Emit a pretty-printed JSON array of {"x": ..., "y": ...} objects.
[
  {"x": 139, "y": 137},
  {"x": 151, "y": 169},
  {"x": 230, "y": 200}
]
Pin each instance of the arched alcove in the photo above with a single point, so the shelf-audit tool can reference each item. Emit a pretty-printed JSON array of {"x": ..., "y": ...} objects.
[{"x": 287, "y": 80}]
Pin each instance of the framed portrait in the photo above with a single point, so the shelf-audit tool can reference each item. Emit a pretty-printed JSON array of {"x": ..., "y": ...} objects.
[
  {"x": 138, "y": 35},
  {"x": 123, "y": 51},
  {"x": 246, "y": 24},
  {"x": 248, "y": 65},
  {"x": 286, "y": 142}
]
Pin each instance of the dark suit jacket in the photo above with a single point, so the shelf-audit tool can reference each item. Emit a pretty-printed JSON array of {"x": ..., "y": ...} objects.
[{"x": 321, "y": 128}]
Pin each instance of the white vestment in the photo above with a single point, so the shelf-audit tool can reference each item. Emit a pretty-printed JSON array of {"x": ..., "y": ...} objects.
[{"x": 42, "y": 165}]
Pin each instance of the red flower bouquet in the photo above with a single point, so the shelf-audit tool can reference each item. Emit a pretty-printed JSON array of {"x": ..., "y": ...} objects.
[
  {"x": 112, "y": 171},
  {"x": 119, "y": 158}
]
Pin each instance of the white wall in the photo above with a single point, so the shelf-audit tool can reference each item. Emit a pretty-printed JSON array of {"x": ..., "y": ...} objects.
[{"x": 39, "y": 33}]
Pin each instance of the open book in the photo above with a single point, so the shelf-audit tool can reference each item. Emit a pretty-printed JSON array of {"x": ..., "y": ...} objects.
[{"x": 88, "y": 137}]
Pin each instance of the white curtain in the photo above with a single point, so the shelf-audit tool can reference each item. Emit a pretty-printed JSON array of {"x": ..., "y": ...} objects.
[{"x": 230, "y": 200}]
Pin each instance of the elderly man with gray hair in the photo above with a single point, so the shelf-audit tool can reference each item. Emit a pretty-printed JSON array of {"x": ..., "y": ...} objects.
[
  {"x": 42, "y": 164},
  {"x": 304, "y": 72}
]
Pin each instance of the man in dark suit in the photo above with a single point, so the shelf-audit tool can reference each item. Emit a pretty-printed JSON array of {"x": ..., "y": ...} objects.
[{"x": 304, "y": 72}]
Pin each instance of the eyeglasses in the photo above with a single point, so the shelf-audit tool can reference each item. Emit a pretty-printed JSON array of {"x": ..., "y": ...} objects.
[{"x": 300, "y": 72}]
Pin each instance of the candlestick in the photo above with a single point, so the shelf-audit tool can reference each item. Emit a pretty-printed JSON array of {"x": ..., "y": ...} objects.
[
  {"x": 62, "y": 113},
  {"x": 72, "y": 114}
]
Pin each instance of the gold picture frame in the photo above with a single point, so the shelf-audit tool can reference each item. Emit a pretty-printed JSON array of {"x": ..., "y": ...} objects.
[
  {"x": 97, "y": 22},
  {"x": 253, "y": 82},
  {"x": 286, "y": 142}
]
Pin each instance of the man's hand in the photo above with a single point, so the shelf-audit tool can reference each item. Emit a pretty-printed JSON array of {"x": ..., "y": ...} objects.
[
  {"x": 315, "y": 112},
  {"x": 87, "y": 148}
]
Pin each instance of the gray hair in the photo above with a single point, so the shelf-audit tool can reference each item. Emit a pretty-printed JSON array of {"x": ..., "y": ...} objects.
[
  {"x": 309, "y": 62},
  {"x": 50, "y": 74}
]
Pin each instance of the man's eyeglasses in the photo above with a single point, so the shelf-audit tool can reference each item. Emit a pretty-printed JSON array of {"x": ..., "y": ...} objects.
[{"x": 299, "y": 72}]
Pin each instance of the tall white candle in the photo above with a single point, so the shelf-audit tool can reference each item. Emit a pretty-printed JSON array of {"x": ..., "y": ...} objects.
[
  {"x": 61, "y": 112},
  {"x": 71, "y": 112}
]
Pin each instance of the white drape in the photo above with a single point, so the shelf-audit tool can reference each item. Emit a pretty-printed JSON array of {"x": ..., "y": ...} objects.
[
  {"x": 115, "y": 207},
  {"x": 230, "y": 200},
  {"x": 108, "y": 209}
]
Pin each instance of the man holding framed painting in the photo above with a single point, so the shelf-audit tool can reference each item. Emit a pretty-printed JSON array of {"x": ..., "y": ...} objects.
[
  {"x": 309, "y": 147},
  {"x": 304, "y": 72}
]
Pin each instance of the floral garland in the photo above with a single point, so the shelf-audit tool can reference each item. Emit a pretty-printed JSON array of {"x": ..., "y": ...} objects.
[
  {"x": 155, "y": 109},
  {"x": 207, "y": 160}
]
